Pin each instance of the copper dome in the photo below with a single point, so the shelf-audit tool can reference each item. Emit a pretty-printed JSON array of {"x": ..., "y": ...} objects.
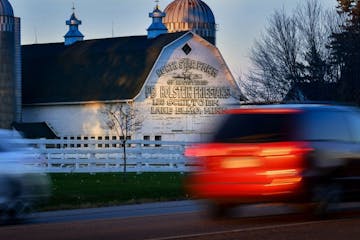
[{"x": 191, "y": 15}]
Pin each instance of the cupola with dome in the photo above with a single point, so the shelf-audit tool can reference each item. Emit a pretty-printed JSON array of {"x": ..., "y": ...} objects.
[
  {"x": 191, "y": 15},
  {"x": 157, "y": 27},
  {"x": 73, "y": 35}
]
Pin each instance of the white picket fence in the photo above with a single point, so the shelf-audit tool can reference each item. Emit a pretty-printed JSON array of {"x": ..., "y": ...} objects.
[{"x": 66, "y": 156}]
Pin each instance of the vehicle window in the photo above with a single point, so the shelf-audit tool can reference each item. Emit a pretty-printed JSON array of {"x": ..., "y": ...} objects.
[
  {"x": 245, "y": 128},
  {"x": 354, "y": 120},
  {"x": 326, "y": 126}
]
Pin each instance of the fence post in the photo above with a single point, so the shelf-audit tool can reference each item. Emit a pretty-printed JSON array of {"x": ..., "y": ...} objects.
[
  {"x": 139, "y": 157},
  {"x": 92, "y": 154},
  {"x": 43, "y": 153}
]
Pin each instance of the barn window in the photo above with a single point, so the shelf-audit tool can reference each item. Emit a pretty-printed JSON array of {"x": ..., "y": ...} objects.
[{"x": 187, "y": 49}]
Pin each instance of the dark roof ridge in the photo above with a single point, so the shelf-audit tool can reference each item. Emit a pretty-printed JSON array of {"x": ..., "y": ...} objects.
[{"x": 105, "y": 38}]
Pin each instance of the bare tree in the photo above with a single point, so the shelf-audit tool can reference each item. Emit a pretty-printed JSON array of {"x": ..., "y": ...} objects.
[
  {"x": 121, "y": 118},
  {"x": 275, "y": 59},
  {"x": 290, "y": 52}
]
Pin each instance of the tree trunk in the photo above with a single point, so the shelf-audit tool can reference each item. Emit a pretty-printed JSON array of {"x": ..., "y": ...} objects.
[{"x": 124, "y": 152}]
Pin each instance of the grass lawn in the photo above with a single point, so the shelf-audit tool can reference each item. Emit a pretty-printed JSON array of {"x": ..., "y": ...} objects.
[{"x": 80, "y": 190}]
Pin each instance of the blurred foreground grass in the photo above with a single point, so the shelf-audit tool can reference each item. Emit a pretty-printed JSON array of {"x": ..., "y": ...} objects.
[{"x": 81, "y": 190}]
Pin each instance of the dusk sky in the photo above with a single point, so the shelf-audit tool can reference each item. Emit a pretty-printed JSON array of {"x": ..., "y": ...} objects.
[{"x": 239, "y": 21}]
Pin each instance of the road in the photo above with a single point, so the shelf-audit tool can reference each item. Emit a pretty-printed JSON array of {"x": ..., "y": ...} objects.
[{"x": 183, "y": 220}]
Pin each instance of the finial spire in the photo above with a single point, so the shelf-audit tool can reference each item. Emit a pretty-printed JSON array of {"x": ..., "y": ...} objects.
[
  {"x": 73, "y": 7},
  {"x": 36, "y": 36},
  {"x": 112, "y": 28}
]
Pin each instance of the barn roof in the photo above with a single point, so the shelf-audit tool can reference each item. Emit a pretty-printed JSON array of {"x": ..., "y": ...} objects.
[{"x": 92, "y": 70}]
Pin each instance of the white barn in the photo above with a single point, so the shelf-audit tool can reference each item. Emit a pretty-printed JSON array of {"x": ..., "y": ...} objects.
[{"x": 174, "y": 83}]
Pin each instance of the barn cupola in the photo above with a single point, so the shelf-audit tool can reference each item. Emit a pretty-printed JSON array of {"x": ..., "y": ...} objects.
[
  {"x": 73, "y": 35},
  {"x": 157, "y": 27}
]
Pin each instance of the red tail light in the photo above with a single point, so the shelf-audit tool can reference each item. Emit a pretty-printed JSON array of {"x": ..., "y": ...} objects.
[
  {"x": 271, "y": 157},
  {"x": 285, "y": 155}
]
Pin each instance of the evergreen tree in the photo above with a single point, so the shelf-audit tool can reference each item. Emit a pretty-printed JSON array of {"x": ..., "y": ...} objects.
[
  {"x": 345, "y": 47},
  {"x": 316, "y": 67}
]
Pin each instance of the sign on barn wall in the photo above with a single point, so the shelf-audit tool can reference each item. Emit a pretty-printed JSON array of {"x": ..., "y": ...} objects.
[{"x": 187, "y": 89}]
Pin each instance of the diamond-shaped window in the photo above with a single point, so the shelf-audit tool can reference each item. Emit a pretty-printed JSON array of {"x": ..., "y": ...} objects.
[{"x": 187, "y": 49}]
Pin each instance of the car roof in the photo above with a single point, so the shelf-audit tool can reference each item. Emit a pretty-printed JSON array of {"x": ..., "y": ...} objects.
[{"x": 293, "y": 107}]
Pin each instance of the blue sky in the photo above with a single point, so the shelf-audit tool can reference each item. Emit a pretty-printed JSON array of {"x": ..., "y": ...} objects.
[{"x": 239, "y": 21}]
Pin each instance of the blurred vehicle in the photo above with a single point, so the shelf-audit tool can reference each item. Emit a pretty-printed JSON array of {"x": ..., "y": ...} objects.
[
  {"x": 300, "y": 153},
  {"x": 22, "y": 183}
]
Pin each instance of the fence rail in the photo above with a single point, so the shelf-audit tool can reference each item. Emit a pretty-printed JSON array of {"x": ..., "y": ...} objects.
[{"x": 65, "y": 156}]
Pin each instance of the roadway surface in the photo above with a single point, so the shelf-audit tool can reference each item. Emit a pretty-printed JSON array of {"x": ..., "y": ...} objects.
[{"x": 184, "y": 220}]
